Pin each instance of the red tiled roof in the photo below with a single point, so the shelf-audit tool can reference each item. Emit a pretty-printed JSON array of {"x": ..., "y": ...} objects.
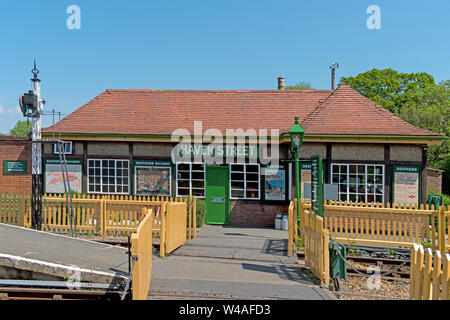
[{"x": 160, "y": 112}]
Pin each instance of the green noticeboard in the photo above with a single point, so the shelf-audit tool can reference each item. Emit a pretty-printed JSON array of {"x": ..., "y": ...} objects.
[
  {"x": 18, "y": 167},
  {"x": 317, "y": 185}
]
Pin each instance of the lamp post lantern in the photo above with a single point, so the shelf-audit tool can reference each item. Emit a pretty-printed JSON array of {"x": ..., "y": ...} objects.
[{"x": 296, "y": 134}]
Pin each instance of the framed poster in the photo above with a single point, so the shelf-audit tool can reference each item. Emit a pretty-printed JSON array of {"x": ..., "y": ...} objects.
[
  {"x": 152, "y": 178},
  {"x": 53, "y": 178},
  {"x": 406, "y": 184},
  {"x": 275, "y": 183},
  {"x": 305, "y": 176}
]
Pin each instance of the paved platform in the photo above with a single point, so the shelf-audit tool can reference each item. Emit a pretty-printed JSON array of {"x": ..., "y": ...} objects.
[
  {"x": 233, "y": 263},
  {"x": 60, "y": 256},
  {"x": 222, "y": 263}
]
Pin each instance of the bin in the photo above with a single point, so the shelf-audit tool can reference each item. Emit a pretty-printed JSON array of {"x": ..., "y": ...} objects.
[
  {"x": 285, "y": 223},
  {"x": 278, "y": 221}
]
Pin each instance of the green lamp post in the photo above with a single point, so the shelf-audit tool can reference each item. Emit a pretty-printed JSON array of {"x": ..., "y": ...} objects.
[{"x": 297, "y": 133}]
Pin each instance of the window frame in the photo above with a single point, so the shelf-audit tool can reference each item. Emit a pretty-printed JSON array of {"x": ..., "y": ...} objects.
[
  {"x": 190, "y": 178},
  {"x": 366, "y": 175},
  {"x": 245, "y": 180},
  {"x": 56, "y": 150},
  {"x": 101, "y": 176}
]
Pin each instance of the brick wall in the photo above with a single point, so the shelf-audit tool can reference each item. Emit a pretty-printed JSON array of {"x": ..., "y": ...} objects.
[
  {"x": 15, "y": 148},
  {"x": 255, "y": 214},
  {"x": 434, "y": 179}
]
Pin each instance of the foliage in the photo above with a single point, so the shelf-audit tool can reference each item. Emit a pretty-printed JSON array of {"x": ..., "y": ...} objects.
[
  {"x": 445, "y": 197},
  {"x": 385, "y": 87},
  {"x": 417, "y": 99},
  {"x": 20, "y": 129},
  {"x": 300, "y": 243},
  {"x": 201, "y": 212},
  {"x": 429, "y": 108},
  {"x": 300, "y": 86}
]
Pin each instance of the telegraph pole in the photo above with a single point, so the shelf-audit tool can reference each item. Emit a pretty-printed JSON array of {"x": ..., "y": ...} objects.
[{"x": 32, "y": 107}]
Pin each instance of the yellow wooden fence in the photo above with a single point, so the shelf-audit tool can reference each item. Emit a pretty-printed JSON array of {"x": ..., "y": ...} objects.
[
  {"x": 95, "y": 215},
  {"x": 142, "y": 250},
  {"x": 317, "y": 247},
  {"x": 175, "y": 226},
  {"x": 429, "y": 274},
  {"x": 384, "y": 224}
]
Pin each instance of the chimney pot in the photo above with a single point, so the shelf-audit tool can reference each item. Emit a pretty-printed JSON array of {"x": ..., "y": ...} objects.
[{"x": 280, "y": 83}]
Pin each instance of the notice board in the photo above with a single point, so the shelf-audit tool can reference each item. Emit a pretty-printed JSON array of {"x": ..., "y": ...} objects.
[{"x": 406, "y": 184}]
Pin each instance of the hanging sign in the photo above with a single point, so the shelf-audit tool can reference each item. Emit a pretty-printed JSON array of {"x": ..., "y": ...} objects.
[
  {"x": 406, "y": 184},
  {"x": 317, "y": 185},
  {"x": 17, "y": 167}
]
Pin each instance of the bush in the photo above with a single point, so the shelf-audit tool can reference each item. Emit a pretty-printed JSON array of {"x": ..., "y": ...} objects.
[
  {"x": 201, "y": 212},
  {"x": 445, "y": 197}
]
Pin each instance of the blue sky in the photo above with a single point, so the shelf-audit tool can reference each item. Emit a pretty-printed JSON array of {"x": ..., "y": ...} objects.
[{"x": 208, "y": 44}]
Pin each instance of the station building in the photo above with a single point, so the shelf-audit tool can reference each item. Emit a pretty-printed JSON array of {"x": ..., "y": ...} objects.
[{"x": 121, "y": 142}]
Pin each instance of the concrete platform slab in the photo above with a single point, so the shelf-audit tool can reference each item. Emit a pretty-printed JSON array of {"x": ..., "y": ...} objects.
[{"x": 60, "y": 256}]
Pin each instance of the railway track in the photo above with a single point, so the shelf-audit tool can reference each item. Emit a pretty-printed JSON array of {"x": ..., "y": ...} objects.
[
  {"x": 398, "y": 269},
  {"x": 20, "y": 293},
  {"x": 56, "y": 290}
]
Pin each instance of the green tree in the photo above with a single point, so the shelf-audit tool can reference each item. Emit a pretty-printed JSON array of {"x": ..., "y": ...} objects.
[
  {"x": 429, "y": 108},
  {"x": 385, "y": 87},
  {"x": 417, "y": 99},
  {"x": 300, "y": 86},
  {"x": 20, "y": 129}
]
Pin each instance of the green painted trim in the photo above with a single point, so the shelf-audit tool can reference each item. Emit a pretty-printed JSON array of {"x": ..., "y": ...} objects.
[{"x": 373, "y": 137}]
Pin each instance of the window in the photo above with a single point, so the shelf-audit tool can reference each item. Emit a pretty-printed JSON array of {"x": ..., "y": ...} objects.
[
  {"x": 244, "y": 181},
  {"x": 359, "y": 182},
  {"x": 67, "y": 148},
  {"x": 190, "y": 179},
  {"x": 108, "y": 176}
]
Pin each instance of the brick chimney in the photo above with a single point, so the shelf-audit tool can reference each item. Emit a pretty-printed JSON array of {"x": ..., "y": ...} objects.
[{"x": 280, "y": 83}]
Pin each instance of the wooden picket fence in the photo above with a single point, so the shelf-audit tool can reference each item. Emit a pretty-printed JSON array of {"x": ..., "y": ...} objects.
[
  {"x": 142, "y": 251},
  {"x": 317, "y": 257},
  {"x": 96, "y": 215},
  {"x": 384, "y": 224},
  {"x": 429, "y": 274}
]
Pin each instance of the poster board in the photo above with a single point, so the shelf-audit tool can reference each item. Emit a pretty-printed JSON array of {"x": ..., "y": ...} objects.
[
  {"x": 406, "y": 184},
  {"x": 275, "y": 183},
  {"x": 53, "y": 178},
  {"x": 305, "y": 176},
  {"x": 152, "y": 178}
]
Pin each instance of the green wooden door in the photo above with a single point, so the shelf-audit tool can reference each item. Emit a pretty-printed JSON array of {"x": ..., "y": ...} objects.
[{"x": 217, "y": 195}]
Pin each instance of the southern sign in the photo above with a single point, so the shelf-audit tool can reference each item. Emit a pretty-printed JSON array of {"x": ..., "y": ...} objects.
[
  {"x": 406, "y": 183},
  {"x": 17, "y": 167},
  {"x": 317, "y": 185}
]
